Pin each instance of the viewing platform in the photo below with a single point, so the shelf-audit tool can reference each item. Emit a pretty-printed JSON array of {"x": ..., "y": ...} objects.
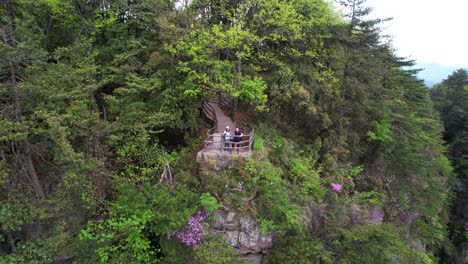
[{"x": 215, "y": 147}]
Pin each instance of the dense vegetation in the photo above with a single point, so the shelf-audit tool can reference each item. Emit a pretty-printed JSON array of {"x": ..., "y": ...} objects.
[
  {"x": 100, "y": 99},
  {"x": 450, "y": 99}
]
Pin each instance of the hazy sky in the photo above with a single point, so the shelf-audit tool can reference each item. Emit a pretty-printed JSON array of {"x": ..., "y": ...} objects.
[{"x": 428, "y": 31}]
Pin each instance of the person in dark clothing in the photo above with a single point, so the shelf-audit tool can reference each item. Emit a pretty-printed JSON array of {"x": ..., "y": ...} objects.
[{"x": 237, "y": 138}]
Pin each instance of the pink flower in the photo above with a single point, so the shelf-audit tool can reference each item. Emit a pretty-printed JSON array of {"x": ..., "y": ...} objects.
[
  {"x": 192, "y": 233},
  {"x": 240, "y": 186},
  {"x": 412, "y": 216},
  {"x": 336, "y": 187},
  {"x": 376, "y": 216}
]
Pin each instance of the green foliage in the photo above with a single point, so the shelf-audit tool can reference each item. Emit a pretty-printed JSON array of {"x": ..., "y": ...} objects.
[
  {"x": 11, "y": 131},
  {"x": 431, "y": 230},
  {"x": 139, "y": 156},
  {"x": 274, "y": 199},
  {"x": 136, "y": 244},
  {"x": 307, "y": 178},
  {"x": 266, "y": 226},
  {"x": 372, "y": 197},
  {"x": 299, "y": 249},
  {"x": 258, "y": 146},
  {"x": 217, "y": 182},
  {"x": 15, "y": 213},
  {"x": 211, "y": 62},
  {"x": 356, "y": 170},
  {"x": 215, "y": 251},
  {"x": 34, "y": 252},
  {"x": 100, "y": 122},
  {"x": 449, "y": 99},
  {"x": 382, "y": 132},
  {"x": 209, "y": 203},
  {"x": 136, "y": 216},
  {"x": 175, "y": 251},
  {"x": 252, "y": 91},
  {"x": 378, "y": 244}
]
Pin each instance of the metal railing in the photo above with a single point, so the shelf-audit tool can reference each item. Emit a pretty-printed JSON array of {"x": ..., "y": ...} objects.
[
  {"x": 216, "y": 142},
  {"x": 210, "y": 113}
]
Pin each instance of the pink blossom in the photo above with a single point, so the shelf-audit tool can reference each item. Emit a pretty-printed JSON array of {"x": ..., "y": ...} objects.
[
  {"x": 376, "y": 216},
  {"x": 412, "y": 216},
  {"x": 240, "y": 186},
  {"x": 336, "y": 187},
  {"x": 192, "y": 233}
]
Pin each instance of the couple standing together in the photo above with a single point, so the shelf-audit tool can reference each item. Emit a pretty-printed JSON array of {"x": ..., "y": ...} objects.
[{"x": 236, "y": 138}]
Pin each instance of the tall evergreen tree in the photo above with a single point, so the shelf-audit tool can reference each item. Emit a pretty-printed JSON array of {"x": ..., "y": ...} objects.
[{"x": 450, "y": 97}]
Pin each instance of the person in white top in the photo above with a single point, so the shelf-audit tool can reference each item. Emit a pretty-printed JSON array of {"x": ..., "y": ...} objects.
[{"x": 227, "y": 137}]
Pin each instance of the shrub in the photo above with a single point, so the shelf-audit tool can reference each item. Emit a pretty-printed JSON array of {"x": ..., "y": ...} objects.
[
  {"x": 378, "y": 244},
  {"x": 298, "y": 250},
  {"x": 192, "y": 233},
  {"x": 209, "y": 203},
  {"x": 215, "y": 251}
]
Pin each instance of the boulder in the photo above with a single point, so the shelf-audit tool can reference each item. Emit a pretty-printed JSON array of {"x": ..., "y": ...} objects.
[{"x": 243, "y": 233}]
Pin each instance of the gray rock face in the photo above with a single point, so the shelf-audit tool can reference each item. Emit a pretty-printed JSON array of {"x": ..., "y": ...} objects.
[
  {"x": 220, "y": 159},
  {"x": 253, "y": 258},
  {"x": 243, "y": 233},
  {"x": 362, "y": 215},
  {"x": 418, "y": 245},
  {"x": 463, "y": 257}
]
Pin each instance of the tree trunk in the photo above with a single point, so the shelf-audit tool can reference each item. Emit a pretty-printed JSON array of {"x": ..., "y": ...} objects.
[
  {"x": 30, "y": 170},
  {"x": 11, "y": 240},
  {"x": 25, "y": 149},
  {"x": 12, "y": 73}
]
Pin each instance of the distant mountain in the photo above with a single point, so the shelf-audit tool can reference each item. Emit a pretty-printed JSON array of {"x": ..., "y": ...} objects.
[{"x": 434, "y": 73}]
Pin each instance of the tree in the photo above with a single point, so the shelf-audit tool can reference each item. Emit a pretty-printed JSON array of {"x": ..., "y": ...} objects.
[
  {"x": 43, "y": 116},
  {"x": 298, "y": 249},
  {"x": 370, "y": 244},
  {"x": 449, "y": 99}
]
